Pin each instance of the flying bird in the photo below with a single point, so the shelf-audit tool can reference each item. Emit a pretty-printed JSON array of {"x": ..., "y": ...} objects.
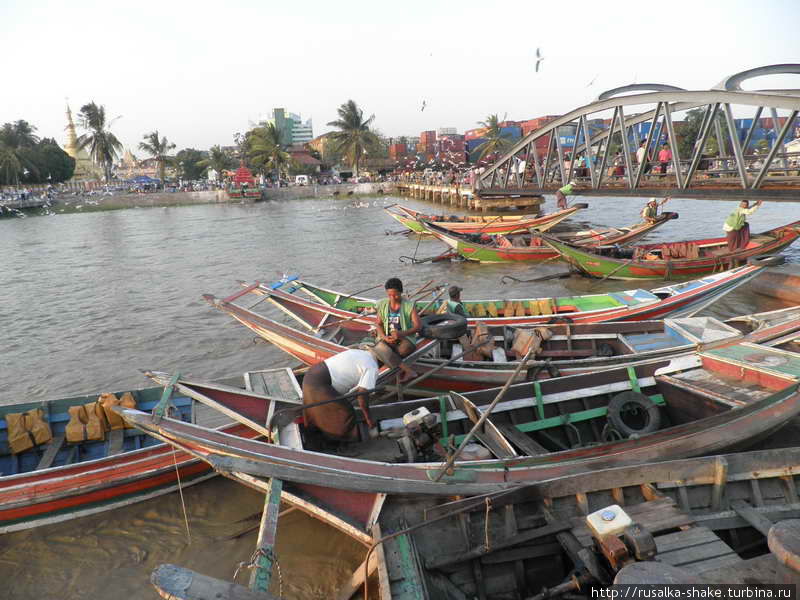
[
  {"x": 591, "y": 83},
  {"x": 539, "y": 58},
  {"x": 424, "y": 104}
]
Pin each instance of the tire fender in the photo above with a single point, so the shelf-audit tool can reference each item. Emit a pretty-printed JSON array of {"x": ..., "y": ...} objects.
[
  {"x": 445, "y": 326},
  {"x": 631, "y": 400}
]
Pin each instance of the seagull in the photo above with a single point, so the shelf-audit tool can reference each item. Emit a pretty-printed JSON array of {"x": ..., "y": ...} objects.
[
  {"x": 539, "y": 58},
  {"x": 423, "y": 106},
  {"x": 591, "y": 83}
]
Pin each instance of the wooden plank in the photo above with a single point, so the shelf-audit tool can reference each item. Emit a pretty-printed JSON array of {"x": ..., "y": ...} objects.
[
  {"x": 527, "y": 445},
  {"x": 522, "y": 553},
  {"x": 752, "y": 516},
  {"x": 356, "y": 581},
  {"x": 50, "y": 451},
  {"x": 178, "y": 583},
  {"x": 116, "y": 439},
  {"x": 490, "y": 435}
]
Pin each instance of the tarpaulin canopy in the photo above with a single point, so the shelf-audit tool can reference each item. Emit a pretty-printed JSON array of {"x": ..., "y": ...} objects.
[{"x": 144, "y": 179}]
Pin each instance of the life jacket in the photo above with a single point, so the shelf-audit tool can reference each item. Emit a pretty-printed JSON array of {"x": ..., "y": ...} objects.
[
  {"x": 736, "y": 220},
  {"x": 406, "y": 322}
]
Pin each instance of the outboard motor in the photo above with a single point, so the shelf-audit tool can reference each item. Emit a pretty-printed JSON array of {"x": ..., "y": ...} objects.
[{"x": 421, "y": 431}]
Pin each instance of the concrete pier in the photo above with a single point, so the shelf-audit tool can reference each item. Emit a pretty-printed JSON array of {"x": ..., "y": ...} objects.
[{"x": 464, "y": 197}]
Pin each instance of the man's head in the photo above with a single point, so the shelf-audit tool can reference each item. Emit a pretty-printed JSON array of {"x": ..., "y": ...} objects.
[
  {"x": 394, "y": 288},
  {"x": 653, "y": 201},
  {"x": 455, "y": 293},
  {"x": 744, "y": 204}
]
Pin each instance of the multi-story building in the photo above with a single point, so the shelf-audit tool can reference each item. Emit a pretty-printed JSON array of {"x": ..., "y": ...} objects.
[{"x": 293, "y": 129}]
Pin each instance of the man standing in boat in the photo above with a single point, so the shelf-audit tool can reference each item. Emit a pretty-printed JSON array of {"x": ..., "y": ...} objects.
[
  {"x": 398, "y": 322},
  {"x": 454, "y": 305},
  {"x": 736, "y": 226},
  {"x": 351, "y": 371},
  {"x": 650, "y": 211},
  {"x": 562, "y": 193}
]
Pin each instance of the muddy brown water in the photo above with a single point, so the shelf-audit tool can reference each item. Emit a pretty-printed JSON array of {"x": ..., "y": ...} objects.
[{"x": 88, "y": 299}]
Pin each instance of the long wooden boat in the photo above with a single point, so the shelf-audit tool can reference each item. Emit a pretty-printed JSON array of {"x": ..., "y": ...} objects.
[
  {"x": 531, "y": 248},
  {"x": 675, "y": 260},
  {"x": 56, "y": 480},
  {"x": 565, "y": 350},
  {"x": 721, "y": 519},
  {"x": 481, "y": 223},
  {"x": 627, "y": 305},
  {"x": 724, "y": 398}
]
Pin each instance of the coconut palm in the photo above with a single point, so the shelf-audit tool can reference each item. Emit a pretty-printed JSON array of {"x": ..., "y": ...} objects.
[
  {"x": 217, "y": 160},
  {"x": 15, "y": 140},
  {"x": 10, "y": 166},
  {"x": 354, "y": 140},
  {"x": 265, "y": 149},
  {"x": 158, "y": 149},
  {"x": 495, "y": 139},
  {"x": 102, "y": 145}
]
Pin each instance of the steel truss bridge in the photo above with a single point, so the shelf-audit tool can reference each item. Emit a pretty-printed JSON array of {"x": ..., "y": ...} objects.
[{"x": 523, "y": 171}]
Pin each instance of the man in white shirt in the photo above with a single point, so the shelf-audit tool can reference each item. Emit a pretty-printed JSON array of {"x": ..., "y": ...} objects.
[{"x": 347, "y": 372}]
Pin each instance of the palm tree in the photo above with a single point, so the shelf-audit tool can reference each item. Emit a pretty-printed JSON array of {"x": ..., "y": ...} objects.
[
  {"x": 15, "y": 139},
  {"x": 266, "y": 148},
  {"x": 103, "y": 145},
  {"x": 217, "y": 160},
  {"x": 158, "y": 149},
  {"x": 355, "y": 140},
  {"x": 496, "y": 139},
  {"x": 10, "y": 166}
]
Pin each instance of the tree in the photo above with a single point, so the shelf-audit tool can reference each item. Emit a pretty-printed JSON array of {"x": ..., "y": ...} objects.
[
  {"x": 189, "y": 164},
  {"x": 266, "y": 149},
  {"x": 17, "y": 143},
  {"x": 102, "y": 144},
  {"x": 688, "y": 134},
  {"x": 354, "y": 140},
  {"x": 158, "y": 149},
  {"x": 218, "y": 160},
  {"x": 496, "y": 140},
  {"x": 10, "y": 166}
]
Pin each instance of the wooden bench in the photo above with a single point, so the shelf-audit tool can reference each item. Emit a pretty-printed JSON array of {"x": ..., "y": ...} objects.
[{"x": 50, "y": 452}]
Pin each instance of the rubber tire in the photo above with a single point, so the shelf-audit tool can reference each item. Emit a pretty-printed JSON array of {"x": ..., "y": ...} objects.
[
  {"x": 621, "y": 401},
  {"x": 767, "y": 261},
  {"x": 445, "y": 326},
  {"x": 605, "y": 350}
]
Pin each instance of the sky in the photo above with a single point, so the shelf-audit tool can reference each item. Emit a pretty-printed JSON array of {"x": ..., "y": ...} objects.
[{"x": 198, "y": 72}]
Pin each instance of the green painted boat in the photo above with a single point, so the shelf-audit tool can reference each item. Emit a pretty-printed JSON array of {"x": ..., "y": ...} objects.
[{"x": 675, "y": 260}]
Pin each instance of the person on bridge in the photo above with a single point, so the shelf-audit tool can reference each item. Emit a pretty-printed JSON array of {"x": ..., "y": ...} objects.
[
  {"x": 562, "y": 193},
  {"x": 664, "y": 158},
  {"x": 650, "y": 211},
  {"x": 736, "y": 226},
  {"x": 349, "y": 371}
]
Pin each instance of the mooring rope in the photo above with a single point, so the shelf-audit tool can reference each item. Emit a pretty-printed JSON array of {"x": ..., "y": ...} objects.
[{"x": 180, "y": 490}]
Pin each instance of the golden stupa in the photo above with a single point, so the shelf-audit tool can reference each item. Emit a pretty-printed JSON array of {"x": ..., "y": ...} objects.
[{"x": 84, "y": 168}]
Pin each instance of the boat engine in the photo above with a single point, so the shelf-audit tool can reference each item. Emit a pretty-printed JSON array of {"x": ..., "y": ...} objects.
[
  {"x": 421, "y": 431},
  {"x": 619, "y": 540}
]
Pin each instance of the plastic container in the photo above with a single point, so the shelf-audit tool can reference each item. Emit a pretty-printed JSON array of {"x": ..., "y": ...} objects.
[
  {"x": 611, "y": 520},
  {"x": 415, "y": 416}
]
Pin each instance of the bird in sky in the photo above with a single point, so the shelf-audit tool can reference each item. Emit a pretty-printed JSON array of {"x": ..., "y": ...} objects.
[
  {"x": 591, "y": 83},
  {"x": 424, "y": 104},
  {"x": 539, "y": 58}
]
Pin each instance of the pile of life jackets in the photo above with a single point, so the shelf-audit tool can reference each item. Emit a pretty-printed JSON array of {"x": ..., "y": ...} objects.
[
  {"x": 90, "y": 422},
  {"x": 26, "y": 430}
]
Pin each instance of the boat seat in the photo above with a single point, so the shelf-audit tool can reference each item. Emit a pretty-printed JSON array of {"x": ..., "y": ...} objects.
[
  {"x": 695, "y": 550},
  {"x": 116, "y": 439},
  {"x": 50, "y": 452}
]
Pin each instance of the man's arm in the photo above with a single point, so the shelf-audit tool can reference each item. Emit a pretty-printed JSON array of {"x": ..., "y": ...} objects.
[
  {"x": 363, "y": 397},
  {"x": 415, "y": 325}
]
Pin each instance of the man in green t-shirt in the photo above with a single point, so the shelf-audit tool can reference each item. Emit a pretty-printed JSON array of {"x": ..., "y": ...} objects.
[
  {"x": 562, "y": 193},
  {"x": 736, "y": 227},
  {"x": 398, "y": 322}
]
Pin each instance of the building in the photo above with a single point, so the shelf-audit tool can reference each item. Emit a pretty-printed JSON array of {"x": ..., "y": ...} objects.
[{"x": 291, "y": 126}]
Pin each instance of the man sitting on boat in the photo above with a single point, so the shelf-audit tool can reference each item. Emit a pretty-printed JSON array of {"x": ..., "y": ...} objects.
[
  {"x": 351, "y": 371},
  {"x": 650, "y": 211},
  {"x": 398, "y": 322},
  {"x": 736, "y": 226}
]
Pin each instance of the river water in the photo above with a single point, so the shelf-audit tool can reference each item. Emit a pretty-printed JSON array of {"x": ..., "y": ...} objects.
[{"x": 86, "y": 300}]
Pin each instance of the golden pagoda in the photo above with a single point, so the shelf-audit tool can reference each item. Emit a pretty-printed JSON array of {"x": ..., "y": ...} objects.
[{"x": 84, "y": 168}]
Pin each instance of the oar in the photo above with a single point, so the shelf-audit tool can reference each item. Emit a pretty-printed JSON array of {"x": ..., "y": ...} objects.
[
  {"x": 562, "y": 275},
  {"x": 434, "y": 299},
  {"x": 421, "y": 289},
  {"x": 332, "y": 323},
  {"x": 484, "y": 416},
  {"x": 625, "y": 264}
]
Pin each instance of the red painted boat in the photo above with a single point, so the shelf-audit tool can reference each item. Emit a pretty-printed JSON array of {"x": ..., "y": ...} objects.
[{"x": 701, "y": 404}]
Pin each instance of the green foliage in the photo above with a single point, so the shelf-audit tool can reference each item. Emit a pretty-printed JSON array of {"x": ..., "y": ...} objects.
[
  {"x": 688, "y": 134},
  {"x": 189, "y": 164},
  {"x": 102, "y": 145},
  {"x": 24, "y": 158},
  {"x": 266, "y": 149},
  {"x": 495, "y": 140},
  {"x": 355, "y": 140},
  {"x": 158, "y": 149},
  {"x": 218, "y": 160}
]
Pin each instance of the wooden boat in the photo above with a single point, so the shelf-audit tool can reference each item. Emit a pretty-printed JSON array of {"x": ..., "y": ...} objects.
[
  {"x": 701, "y": 404},
  {"x": 713, "y": 520},
  {"x": 628, "y": 305},
  {"x": 563, "y": 349},
  {"x": 56, "y": 480},
  {"x": 676, "y": 260},
  {"x": 531, "y": 248},
  {"x": 481, "y": 223}
]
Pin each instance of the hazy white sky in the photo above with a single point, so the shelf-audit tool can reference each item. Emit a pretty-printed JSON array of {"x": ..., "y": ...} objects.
[{"x": 200, "y": 71}]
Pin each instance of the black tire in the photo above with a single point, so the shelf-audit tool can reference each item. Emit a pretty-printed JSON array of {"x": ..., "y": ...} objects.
[
  {"x": 646, "y": 415},
  {"x": 605, "y": 350},
  {"x": 446, "y": 326},
  {"x": 767, "y": 261}
]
